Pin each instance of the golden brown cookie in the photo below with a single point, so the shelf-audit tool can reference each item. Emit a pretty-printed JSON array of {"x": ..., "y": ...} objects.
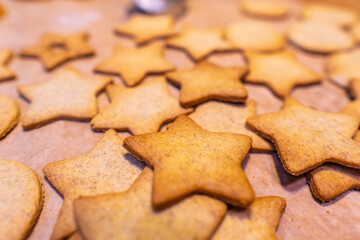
[
  {"x": 55, "y": 49},
  {"x": 207, "y": 81},
  {"x": 353, "y": 108},
  {"x": 67, "y": 95},
  {"x": 258, "y": 222},
  {"x": 5, "y": 72},
  {"x": 224, "y": 117},
  {"x": 306, "y": 138},
  {"x": 355, "y": 30},
  {"x": 75, "y": 236},
  {"x": 320, "y": 37},
  {"x": 199, "y": 43},
  {"x": 130, "y": 215},
  {"x": 343, "y": 67},
  {"x": 21, "y": 200},
  {"x": 188, "y": 159},
  {"x": 142, "y": 109},
  {"x": 254, "y": 36},
  {"x": 355, "y": 88},
  {"x": 281, "y": 71},
  {"x": 265, "y": 8},
  {"x": 133, "y": 64},
  {"x": 327, "y": 13},
  {"x": 107, "y": 168},
  {"x": 9, "y": 115},
  {"x": 145, "y": 27}
]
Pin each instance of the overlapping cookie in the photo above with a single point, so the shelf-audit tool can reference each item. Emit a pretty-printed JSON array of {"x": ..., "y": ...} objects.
[
  {"x": 353, "y": 108},
  {"x": 9, "y": 115},
  {"x": 265, "y": 8},
  {"x": 343, "y": 67}
]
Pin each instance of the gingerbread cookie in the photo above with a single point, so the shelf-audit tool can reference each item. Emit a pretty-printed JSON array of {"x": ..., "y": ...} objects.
[
  {"x": 5, "y": 72},
  {"x": 207, "y": 81},
  {"x": 344, "y": 66},
  {"x": 319, "y": 37},
  {"x": 254, "y": 36},
  {"x": 199, "y": 43},
  {"x": 194, "y": 160},
  {"x": 258, "y": 222},
  {"x": 21, "y": 200},
  {"x": 10, "y": 114},
  {"x": 306, "y": 138},
  {"x": 67, "y": 95},
  {"x": 281, "y": 71},
  {"x": 224, "y": 117},
  {"x": 144, "y": 27},
  {"x": 355, "y": 29},
  {"x": 133, "y": 64},
  {"x": 142, "y": 109},
  {"x": 130, "y": 215},
  {"x": 106, "y": 169},
  {"x": 55, "y": 49},
  {"x": 265, "y": 8}
]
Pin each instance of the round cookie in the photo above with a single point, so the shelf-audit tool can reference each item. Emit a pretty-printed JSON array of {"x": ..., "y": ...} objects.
[
  {"x": 265, "y": 8},
  {"x": 10, "y": 113}
]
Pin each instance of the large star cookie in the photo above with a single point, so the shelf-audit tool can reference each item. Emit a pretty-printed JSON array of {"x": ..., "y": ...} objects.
[
  {"x": 207, "y": 81},
  {"x": 144, "y": 28},
  {"x": 265, "y": 8},
  {"x": 281, "y": 71},
  {"x": 130, "y": 215},
  {"x": 142, "y": 109},
  {"x": 67, "y": 95},
  {"x": 55, "y": 49},
  {"x": 5, "y": 72},
  {"x": 306, "y": 138},
  {"x": 188, "y": 159},
  {"x": 9, "y": 115},
  {"x": 106, "y": 169},
  {"x": 21, "y": 200},
  {"x": 344, "y": 66},
  {"x": 133, "y": 64},
  {"x": 254, "y": 36},
  {"x": 199, "y": 43},
  {"x": 258, "y": 222},
  {"x": 224, "y": 117}
]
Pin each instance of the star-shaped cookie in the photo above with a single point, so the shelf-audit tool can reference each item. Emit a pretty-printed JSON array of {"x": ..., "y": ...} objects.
[
  {"x": 133, "y": 64},
  {"x": 281, "y": 71},
  {"x": 200, "y": 43},
  {"x": 344, "y": 66},
  {"x": 258, "y": 222},
  {"x": 188, "y": 159},
  {"x": 224, "y": 117},
  {"x": 67, "y": 95},
  {"x": 142, "y": 109},
  {"x": 9, "y": 115},
  {"x": 5, "y": 72},
  {"x": 306, "y": 138},
  {"x": 55, "y": 49},
  {"x": 107, "y": 168},
  {"x": 207, "y": 81},
  {"x": 130, "y": 215},
  {"x": 144, "y": 27},
  {"x": 353, "y": 108}
]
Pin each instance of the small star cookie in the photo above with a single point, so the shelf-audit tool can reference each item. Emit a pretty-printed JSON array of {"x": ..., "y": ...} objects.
[
  {"x": 55, "y": 49},
  {"x": 344, "y": 66},
  {"x": 130, "y": 215},
  {"x": 106, "y": 169},
  {"x": 207, "y": 81},
  {"x": 9, "y": 115},
  {"x": 188, "y": 159},
  {"x": 259, "y": 221},
  {"x": 133, "y": 64},
  {"x": 142, "y": 109},
  {"x": 254, "y": 36},
  {"x": 199, "y": 43},
  {"x": 336, "y": 15},
  {"x": 5, "y": 72},
  {"x": 281, "y": 71},
  {"x": 319, "y": 37},
  {"x": 144, "y": 27},
  {"x": 224, "y": 117},
  {"x": 21, "y": 200},
  {"x": 265, "y": 8},
  {"x": 67, "y": 95},
  {"x": 306, "y": 138}
]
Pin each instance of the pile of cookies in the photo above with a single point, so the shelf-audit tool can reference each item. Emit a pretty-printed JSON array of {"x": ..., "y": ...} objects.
[{"x": 186, "y": 181}]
